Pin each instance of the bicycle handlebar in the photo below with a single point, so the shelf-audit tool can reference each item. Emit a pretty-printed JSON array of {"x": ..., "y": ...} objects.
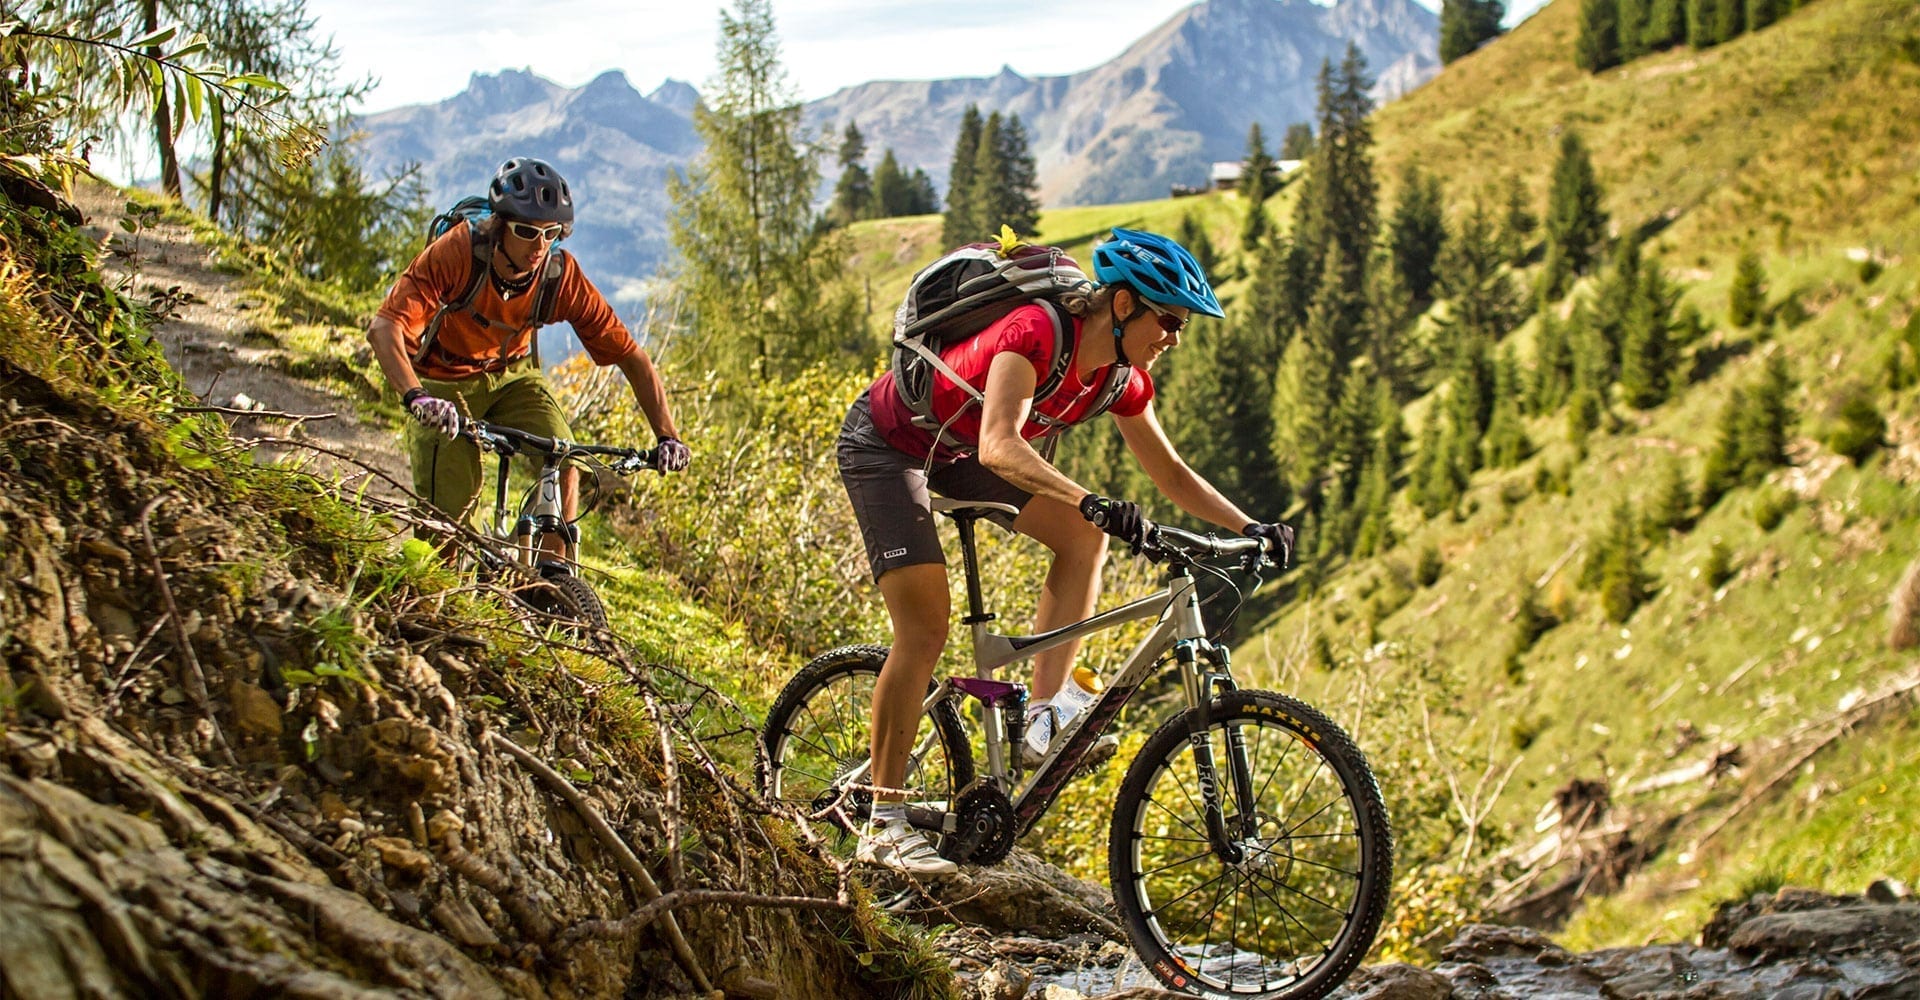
[
  {"x": 509, "y": 441},
  {"x": 1166, "y": 543}
]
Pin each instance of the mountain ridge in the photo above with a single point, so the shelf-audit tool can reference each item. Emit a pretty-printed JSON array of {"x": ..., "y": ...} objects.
[{"x": 1178, "y": 98}]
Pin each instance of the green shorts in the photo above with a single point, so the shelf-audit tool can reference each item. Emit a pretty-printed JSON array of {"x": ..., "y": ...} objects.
[{"x": 447, "y": 471}]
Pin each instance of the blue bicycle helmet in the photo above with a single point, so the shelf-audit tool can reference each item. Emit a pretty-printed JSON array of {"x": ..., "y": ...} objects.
[{"x": 1157, "y": 268}]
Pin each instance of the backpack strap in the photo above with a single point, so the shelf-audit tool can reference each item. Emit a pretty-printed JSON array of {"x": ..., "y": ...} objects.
[
  {"x": 545, "y": 297},
  {"x": 1049, "y": 384},
  {"x": 476, "y": 276}
]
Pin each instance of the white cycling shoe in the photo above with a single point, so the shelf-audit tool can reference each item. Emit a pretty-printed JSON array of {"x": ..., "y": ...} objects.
[
  {"x": 1039, "y": 739},
  {"x": 899, "y": 846}
]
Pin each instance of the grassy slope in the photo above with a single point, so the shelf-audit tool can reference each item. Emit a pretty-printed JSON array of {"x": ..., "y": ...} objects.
[{"x": 1800, "y": 140}]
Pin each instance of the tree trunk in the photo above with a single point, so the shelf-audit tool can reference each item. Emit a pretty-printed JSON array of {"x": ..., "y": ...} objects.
[
  {"x": 162, "y": 116},
  {"x": 217, "y": 168}
]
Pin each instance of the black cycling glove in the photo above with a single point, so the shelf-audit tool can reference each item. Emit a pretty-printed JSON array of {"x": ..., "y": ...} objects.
[
  {"x": 1119, "y": 518},
  {"x": 1279, "y": 539},
  {"x": 672, "y": 455}
]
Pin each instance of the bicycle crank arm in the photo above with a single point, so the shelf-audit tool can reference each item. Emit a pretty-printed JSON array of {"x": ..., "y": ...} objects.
[{"x": 931, "y": 820}]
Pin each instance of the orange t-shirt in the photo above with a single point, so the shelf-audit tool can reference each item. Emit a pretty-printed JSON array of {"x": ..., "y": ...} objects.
[{"x": 439, "y": 275}]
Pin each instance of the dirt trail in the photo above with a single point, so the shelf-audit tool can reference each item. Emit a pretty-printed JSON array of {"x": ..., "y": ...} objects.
[{"x": 206, "y": 342}]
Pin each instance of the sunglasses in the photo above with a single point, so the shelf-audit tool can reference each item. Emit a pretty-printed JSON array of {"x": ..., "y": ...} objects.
[
  {"x": 528, "y": 231},
  {"x": 1168, "y": 321}
]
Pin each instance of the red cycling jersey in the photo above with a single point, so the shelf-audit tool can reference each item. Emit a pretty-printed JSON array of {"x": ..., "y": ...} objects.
[{"x": 1028, "y": 332}]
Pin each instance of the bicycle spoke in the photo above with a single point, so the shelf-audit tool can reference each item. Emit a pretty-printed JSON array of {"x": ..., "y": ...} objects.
[
  {"x": 1183, "y": 861},
  {"x": 1196, "y": 831},
  {"x": 825, "y": 733}
]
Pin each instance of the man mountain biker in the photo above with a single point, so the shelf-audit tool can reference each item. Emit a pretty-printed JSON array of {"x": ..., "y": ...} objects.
[
  {"x": 482, "y": 355},
  {"x": 1147, "y": 288}
]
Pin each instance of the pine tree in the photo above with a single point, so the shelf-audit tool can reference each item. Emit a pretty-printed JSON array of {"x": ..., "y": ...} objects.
[
  {"x": 1518, "y": 225},
  {"x": 1598, "y": 45},
  {"x": 1722, "y": 471},
  {"x": 1506, "y": 444},
  {"x": 1019, "y": 189},
  {"x": 1730, "y": 19},
  {"x": 1217, "y": 408},
  {"x": 1766, "y": 422},
  {"x": 1646, "y": 353},
  {"x": 1703, "y": 22},
  {"x": 962, "y": 223},
  {"x": 1394, "y": 355},
  {"x": 743, "y": 221},
  {"x": 853, "y": 195},
  {"x": 890, "y": 195},
  {"x": 1616, "y": 292},
  {"x": 1431, "y": 486},
  {"x": 1473, "y": 276},
  {"x": 922, "y": 199},
  {"x": 1256, "y": 177},
  {"x": 1623, "y": 578},
  {"x": 1670, "y": 508},
  {"x": 1748, "y": 294},
  {"x": 1761, "y": 13},
  {"x": 1193, "y": 236},
  {"x": 1553, "y": 364},
  {"x": 1417, "y": 231},
  {"x": 1631, "y": 30},
  {"x": 1575, "y": 224},
  {"x": 1298, "y": 142},
  {"x": 1307, "y": 388},
  {"x": 1666, "y": 25},
  {"x": 988, "y": 201},
  {"x": 1336, "y": 209},
  {"x": 1465, "y": 25}
]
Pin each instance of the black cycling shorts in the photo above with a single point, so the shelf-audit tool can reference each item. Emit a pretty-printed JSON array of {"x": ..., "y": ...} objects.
[{"x": 889, "y": 491}]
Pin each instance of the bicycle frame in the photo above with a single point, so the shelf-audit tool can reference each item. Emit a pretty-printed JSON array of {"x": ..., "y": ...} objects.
[
  {"x": 1179, "y": 628},
  {"x": 540, "y": 515}
]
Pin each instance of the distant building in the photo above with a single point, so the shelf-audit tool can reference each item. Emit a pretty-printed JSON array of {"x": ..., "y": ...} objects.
[{"x": 1226, "y": 173}]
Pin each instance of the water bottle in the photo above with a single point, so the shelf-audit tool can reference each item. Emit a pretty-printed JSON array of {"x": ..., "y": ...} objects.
[{"x": 1081, "y": 689}]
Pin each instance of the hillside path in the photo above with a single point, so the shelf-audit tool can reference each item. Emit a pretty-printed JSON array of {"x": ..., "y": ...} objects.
[{"x": 206, "y": 342}]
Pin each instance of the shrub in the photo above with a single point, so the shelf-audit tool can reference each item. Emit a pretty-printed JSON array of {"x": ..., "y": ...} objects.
[
  {"x": 1523, "y": 731},
  {"x": 1770, "y": 507},
  {"x": 1861, "y": 430},
  {"x": 1870, "y": 269},
  {"x": 1426, "y": 569},
  {"x": 1748, "y": 294},
  {"x": 1719, "y": 567}
]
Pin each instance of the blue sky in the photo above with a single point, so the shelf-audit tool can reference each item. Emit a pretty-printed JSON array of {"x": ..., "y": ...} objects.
[{"x": 425, "y": 50}]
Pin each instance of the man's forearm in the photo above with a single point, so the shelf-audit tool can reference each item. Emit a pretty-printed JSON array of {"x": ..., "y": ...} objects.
[
  {"x": 649, "y": 391},
  {"x": 384, "y": 337}
]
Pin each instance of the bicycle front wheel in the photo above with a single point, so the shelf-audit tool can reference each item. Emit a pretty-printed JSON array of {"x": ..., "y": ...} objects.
[
  {"x": 818, "y": 734},
  {"x": 566, "y": 597},
  {"x": 1295, "y": 914}
]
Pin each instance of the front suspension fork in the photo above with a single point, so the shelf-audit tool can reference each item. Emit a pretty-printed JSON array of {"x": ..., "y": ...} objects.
[{"x": 1201, "y": 686}]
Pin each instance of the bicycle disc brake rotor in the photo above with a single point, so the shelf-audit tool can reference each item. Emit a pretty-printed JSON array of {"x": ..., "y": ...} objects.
[{"x": 987, "y": 823}]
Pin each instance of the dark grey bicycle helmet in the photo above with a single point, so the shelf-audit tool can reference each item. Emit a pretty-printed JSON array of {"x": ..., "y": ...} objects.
[{"x": 531, "y": 190}]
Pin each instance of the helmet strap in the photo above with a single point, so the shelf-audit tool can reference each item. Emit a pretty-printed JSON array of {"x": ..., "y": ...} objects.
[{"x": 1120, "y": 329}]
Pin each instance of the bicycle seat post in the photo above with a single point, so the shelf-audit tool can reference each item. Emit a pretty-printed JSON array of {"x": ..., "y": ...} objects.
[{"x": 970, "y": 559}]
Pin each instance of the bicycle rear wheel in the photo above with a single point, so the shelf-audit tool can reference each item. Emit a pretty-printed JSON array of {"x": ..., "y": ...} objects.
[
  {"x": 1296, "y": 915},
  {"x": 817, "y": 734}
]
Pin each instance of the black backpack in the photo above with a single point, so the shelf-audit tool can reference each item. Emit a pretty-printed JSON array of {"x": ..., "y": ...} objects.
[
  {"x": 471, "y": 211},
  {"x": 967, "y": 290}
]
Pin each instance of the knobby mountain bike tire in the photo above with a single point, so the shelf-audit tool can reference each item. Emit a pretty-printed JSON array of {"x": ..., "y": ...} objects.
[
  {"x": 567, "y": 597},
  {"x": 1295, "y": 917},
  {"x": 817, "y": 732}
]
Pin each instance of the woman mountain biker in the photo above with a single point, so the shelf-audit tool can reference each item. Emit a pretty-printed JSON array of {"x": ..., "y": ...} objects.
[
  {"x": 1148, "y": 286},
  {"x": 482, "y": 354}
]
